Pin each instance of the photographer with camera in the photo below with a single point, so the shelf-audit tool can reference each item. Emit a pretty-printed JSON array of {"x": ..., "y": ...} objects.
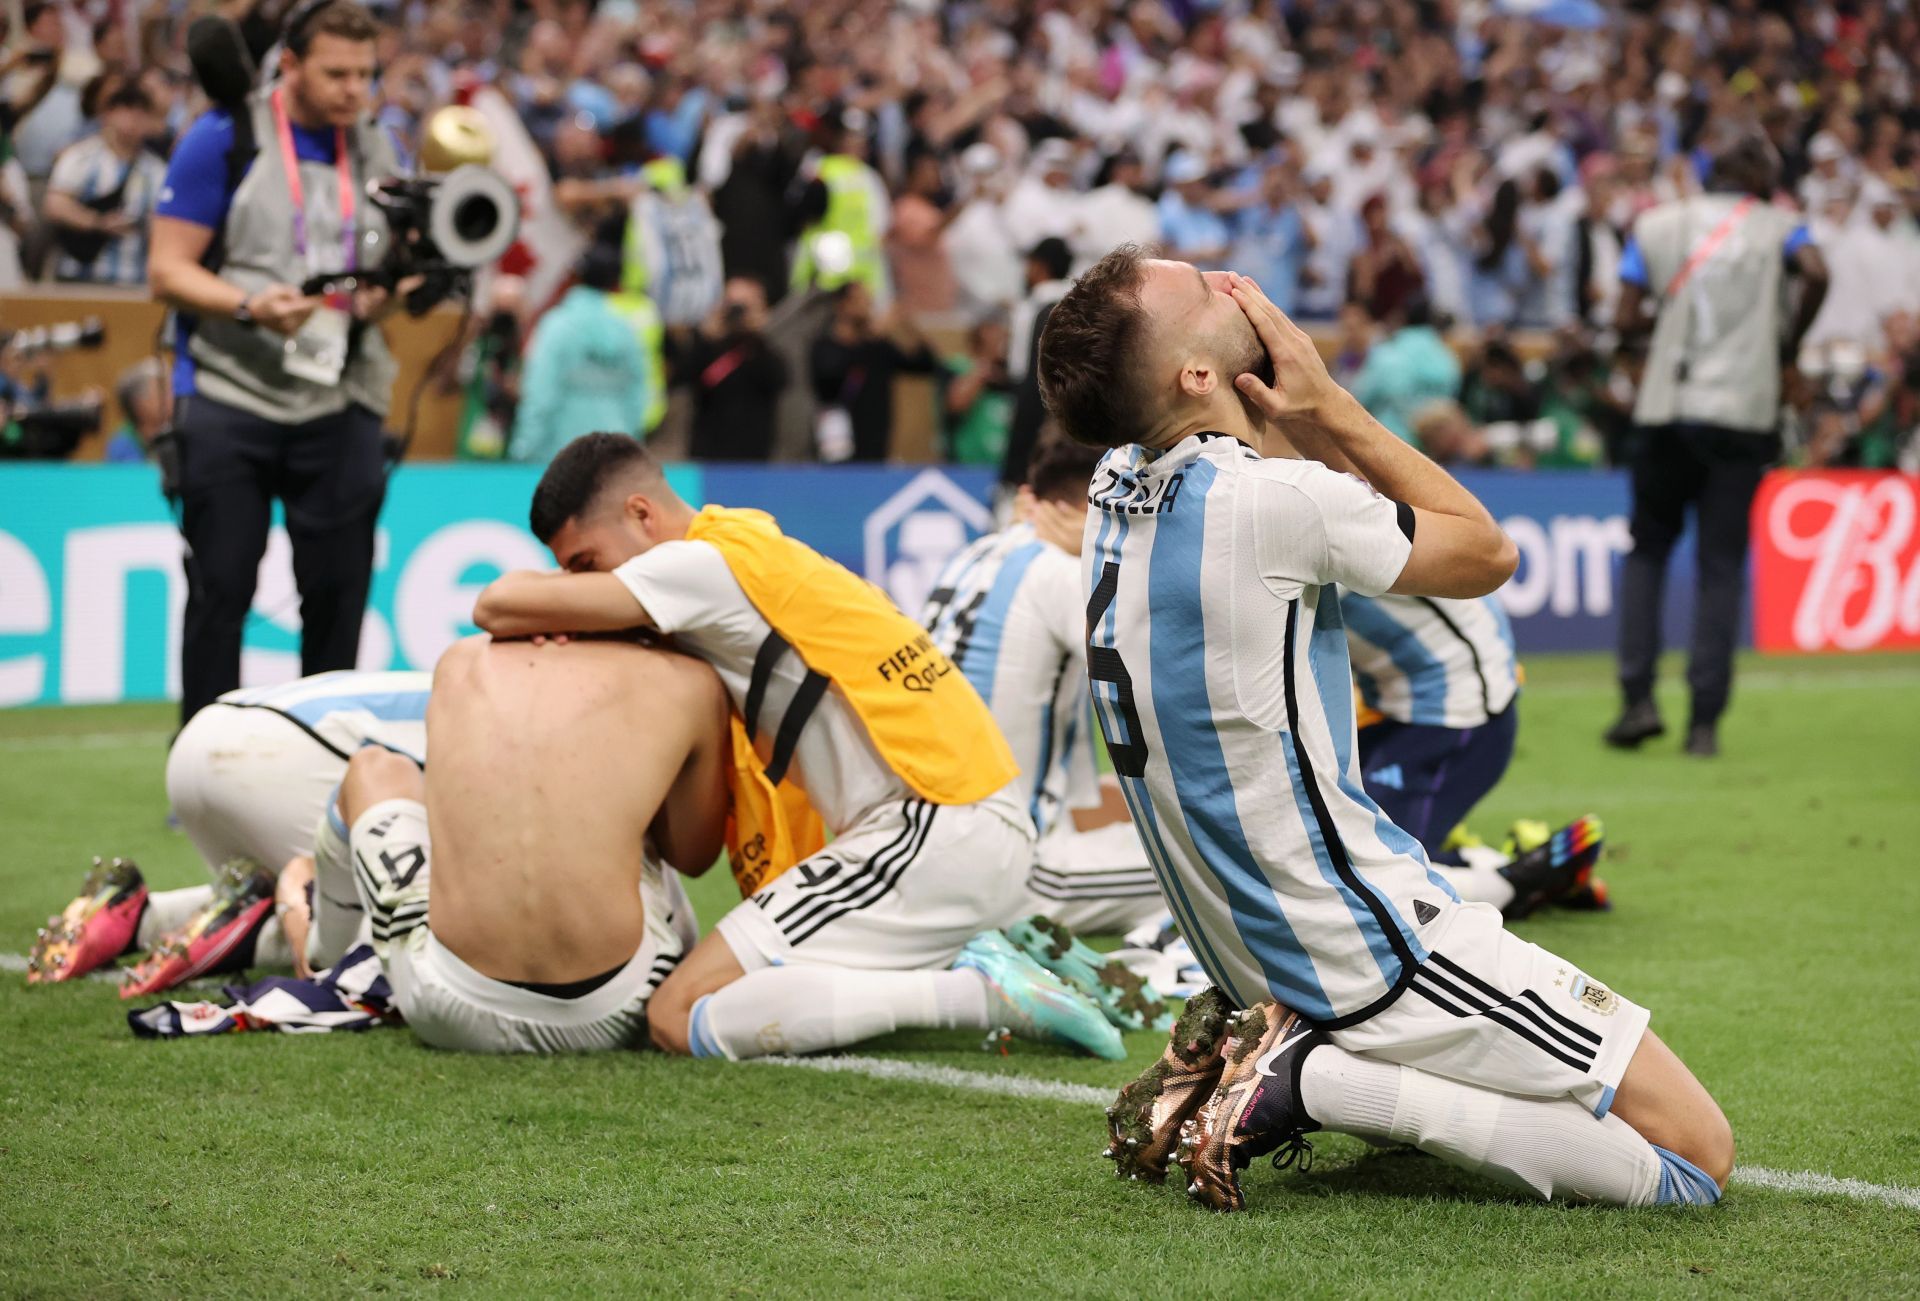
[
  {"x": 32, "y": 424},
  {"x": 279, "y": 393},
  {"x": 736, "y": 376}
]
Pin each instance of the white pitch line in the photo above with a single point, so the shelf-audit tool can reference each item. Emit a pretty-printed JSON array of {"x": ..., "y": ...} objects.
[
  {"x": 885, "y": 1068},
  {"x": 109, "y": 975},
  {"x": 81, "y": 741},
  {"x": 18, "y": 962}
]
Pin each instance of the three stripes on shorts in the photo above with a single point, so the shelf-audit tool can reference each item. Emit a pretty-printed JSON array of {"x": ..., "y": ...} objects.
[
  {"x": 1452, "y": 988},
  {"x": 835, "y": 895}
]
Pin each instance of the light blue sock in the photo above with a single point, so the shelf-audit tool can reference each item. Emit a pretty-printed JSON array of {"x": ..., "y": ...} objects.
[
  {"x": 701, "y": 1043},
  {"x": 1682, "y": 1183}
]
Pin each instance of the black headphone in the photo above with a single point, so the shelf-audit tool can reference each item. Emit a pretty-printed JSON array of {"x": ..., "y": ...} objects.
[{"x": 294, "y": 30}]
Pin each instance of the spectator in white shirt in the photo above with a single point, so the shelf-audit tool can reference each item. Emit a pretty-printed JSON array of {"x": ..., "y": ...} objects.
[
  {"x": 1115, "y": 213},
  {"x": 1044, "y": 204},
  {"x": 980, "y": 243}
]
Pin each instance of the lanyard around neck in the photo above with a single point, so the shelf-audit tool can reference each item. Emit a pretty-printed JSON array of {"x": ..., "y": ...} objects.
[{"x": 283, "y": 127}]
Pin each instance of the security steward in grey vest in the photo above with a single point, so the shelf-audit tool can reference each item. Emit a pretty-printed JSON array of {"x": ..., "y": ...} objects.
[
  {"x": 279, "y": 395},
  {"x": 1722, "y": 270}
]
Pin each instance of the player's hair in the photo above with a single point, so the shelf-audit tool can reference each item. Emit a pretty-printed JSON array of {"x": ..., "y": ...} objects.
[
  {"x": 342, "y": 18},
  {"x": 1089, "y": 353},
  {"x": 1060, "y": 468},
  {"x": 584, "y": 469}
]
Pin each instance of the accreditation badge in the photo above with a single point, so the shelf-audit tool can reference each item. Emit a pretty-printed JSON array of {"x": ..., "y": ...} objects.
[{"x": 317, "y": 352}]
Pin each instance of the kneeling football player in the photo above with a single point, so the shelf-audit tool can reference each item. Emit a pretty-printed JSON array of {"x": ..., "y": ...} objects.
[
  {"x": 858, "y": 725},
  {"x": 252, "y": 779},
  {"x": 554, "y": 914}
]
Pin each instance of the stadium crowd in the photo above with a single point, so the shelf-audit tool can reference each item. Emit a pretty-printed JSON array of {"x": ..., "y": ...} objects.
[{"x": 1443, "y": 189}]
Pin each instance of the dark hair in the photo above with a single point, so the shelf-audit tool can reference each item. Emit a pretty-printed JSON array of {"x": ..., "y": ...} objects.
[
  {"x": 1750, "y": 165},
  {"x": 601, "y": 267},
  {"x": 1054, "y": 257},
  {"x": 342, "y": 18},
  {"x": 128, "y": 95},
  {"x": 1060, "y": 468},
  {"x": 1087, "y": 366},
  {"x": 584, "y": 469},
  {"x": 1501, "y": 225}
]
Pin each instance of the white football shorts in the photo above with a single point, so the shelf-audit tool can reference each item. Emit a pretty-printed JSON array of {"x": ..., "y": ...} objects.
[
  {"x": 450, "y": 1005},
  {"x": 903, "y": 890},
  {"x": 1093, "y": 881},
  {"x": 1491, "y": 1009},
  {"x": 250, "y": 783}
]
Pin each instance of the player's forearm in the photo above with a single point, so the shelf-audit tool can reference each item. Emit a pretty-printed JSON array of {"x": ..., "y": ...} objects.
[
  {"x": 526, "y": 604},
  {"x": 1393, "y": 467}
]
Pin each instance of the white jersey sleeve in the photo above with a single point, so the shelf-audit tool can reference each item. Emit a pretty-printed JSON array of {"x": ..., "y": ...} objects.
[
  {"x": 1315, "y": 526},
  {"x": 684, "y": 586}
]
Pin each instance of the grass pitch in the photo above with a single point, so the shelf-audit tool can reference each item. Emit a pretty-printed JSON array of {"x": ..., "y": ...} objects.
[{"x": 1765, "y": 910}]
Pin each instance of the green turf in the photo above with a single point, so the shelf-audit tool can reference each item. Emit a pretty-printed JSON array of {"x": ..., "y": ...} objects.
[{"x": 1766, "y": 912}]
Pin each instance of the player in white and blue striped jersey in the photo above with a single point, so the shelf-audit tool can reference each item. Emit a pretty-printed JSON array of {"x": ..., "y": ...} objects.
[
  {"x": 1217, "y": 657},
  {"x": 1440, "y": 681},
  {"x": 1008, "y": 612},
  {"x": 251, "y": 778}
]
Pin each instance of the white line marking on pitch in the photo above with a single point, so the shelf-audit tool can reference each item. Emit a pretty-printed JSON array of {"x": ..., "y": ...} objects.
[
  {"x": 81, "y": 741},
  {"x": 1014, "y": 1086},
  {"x": 111, "y": 975},
  {"x": 18, "y": 962}
]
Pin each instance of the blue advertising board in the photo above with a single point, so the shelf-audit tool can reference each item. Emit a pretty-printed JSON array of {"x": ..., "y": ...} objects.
[{"x": 91, "y": 586}]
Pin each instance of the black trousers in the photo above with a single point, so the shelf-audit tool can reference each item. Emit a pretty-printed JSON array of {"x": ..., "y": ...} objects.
[
  {"x": 1716, "y": 472},
  {"x": 329, "y": 474}
]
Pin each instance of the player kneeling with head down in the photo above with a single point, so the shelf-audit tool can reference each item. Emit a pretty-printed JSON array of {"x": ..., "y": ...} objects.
[
  {"x": 554, "y": 916},
  {"x": 859, "y": 726},
  {"x": 252, "y": 779},
  {"x": 1220, "y": 671}
]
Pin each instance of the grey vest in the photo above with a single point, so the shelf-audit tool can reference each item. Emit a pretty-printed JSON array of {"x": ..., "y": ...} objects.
[
  {"x": 1715, "y": 356},
  {"x": 240, "y": 365}
]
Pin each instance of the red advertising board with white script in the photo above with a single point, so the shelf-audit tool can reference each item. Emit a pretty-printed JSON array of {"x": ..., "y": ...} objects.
[{"x": 1836, "y": 561}]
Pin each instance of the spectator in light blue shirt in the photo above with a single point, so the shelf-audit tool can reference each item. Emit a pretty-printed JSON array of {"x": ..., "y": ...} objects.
[
  {"x": 1405, "y": 371},
  {"x": 1190, "y": 229},
  {"x": 1270, "y": 241},
  {"x": 585, "y": 371}
]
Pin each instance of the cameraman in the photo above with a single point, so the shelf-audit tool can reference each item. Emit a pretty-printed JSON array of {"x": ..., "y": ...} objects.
[{"x": 279, "y": 394}]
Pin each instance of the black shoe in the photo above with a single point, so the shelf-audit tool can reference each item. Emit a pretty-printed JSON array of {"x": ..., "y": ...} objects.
[
  {"x": 1555, "y": 869},
  {"x": 1703, "y": 741},
  {"x": 1637, "y": 722}
]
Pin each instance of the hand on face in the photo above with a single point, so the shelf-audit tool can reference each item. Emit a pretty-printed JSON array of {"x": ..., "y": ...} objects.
[{"x": 1300, "y": 386}]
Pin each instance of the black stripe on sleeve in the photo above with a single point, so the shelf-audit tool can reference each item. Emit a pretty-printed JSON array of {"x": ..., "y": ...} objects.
[{"x": 1403, "y": 514}]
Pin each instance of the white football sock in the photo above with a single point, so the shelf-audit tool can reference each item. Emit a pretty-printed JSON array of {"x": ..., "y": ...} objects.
[
  {"x": 1478, "y": 884},
  {"x": 339, "y": 921},
  {"x": 167, "y": 911},
  {"x": 1551, "y": 1147},
  {"x": 270, "y": 947},
  {"x": 805, "y": 1009}
]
